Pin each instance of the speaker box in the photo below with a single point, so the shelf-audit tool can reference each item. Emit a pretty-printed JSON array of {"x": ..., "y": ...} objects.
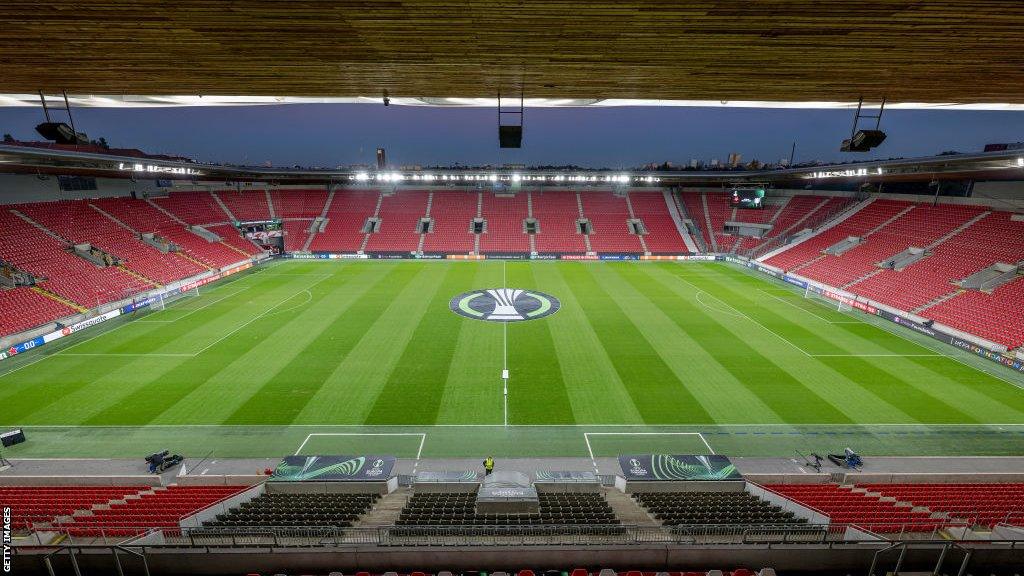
[
  {"x": 863, "y": 141},
  {"x": 510, "y": 136},
  {"x": 61, "y": 133}
]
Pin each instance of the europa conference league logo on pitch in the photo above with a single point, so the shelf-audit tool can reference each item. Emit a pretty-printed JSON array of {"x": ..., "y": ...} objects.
[{"x": 504, "y": 304}]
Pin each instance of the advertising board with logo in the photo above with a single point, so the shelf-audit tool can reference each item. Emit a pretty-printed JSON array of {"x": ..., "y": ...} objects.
[
  {"x": 334, "y": 468},
  {"x": 677, "y": 467}
]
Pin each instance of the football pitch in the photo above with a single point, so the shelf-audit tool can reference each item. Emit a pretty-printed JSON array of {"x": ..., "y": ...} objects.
[{"x": 336, "y": 357}]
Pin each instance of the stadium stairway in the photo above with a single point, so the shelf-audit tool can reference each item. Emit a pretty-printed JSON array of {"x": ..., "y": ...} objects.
[
  {"x": 385, "y": 511},
  {"x": 627, "y": 510}
]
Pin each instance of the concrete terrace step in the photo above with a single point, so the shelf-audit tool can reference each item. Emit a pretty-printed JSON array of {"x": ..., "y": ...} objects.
[
  {"x": 627, "y": 510},
  {"x": 387, "y": 510}
]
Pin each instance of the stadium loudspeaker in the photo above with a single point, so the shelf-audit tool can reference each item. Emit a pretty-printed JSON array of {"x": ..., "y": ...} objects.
[
  {"x": 61, "y": 133},
  {"x": 510, "y": 136},
  {"x": 863, "y": 140}
]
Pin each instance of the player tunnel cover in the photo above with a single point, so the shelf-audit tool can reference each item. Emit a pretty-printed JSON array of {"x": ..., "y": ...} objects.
[{"x": 504, "y": 304}]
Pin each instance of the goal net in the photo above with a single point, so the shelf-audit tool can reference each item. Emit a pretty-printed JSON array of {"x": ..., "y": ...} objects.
[
  {"x": 163, "y": 300},
  {"x": 826, "y": 301}
]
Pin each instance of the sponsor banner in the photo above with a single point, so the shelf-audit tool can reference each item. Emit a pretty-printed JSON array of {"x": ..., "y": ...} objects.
[
  {"x": 763, "y": 270},
  {"x": 544, "y": 256},
  {"x": 794, "y": 281},
  {"x": 678, "y": 467},
  {"x": 390, "y": 255},
  {"x": 434, "y": 256},
  {"x": 25, "y": 346},
  {"x": 916, "y": 326},
  {"x": 145, "y": 302},
  {"x": 508, "y": 256},
  {"x": 578, "y": 257},
  {"x": 3, "y": 355},
  {"x": 466, "y": 257},
  {"x": 334, "y": 468},
  {"x": 619, "y": 256},
  {"x": 698, "y": 257}
]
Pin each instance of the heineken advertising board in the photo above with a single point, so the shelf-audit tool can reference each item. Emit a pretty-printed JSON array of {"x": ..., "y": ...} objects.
[
  {"x": 334, "y": 468},
  {"x": 678, "y": 467}
]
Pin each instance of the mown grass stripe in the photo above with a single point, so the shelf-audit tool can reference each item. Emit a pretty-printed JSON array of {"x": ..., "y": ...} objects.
[
  {"x": 833, "y": 387},
  {"x": 596, "y": 393},
  {"x": 785, "y": 394},
  {"x": 413, "y": 391},
  {"x": 305, "y": 375},
  {"x": 713, "y": 367},
  {"x": 472, "y": 387},
  {"x": 657, "y": 394},
  {"x": 221, "y": 395},
  {"x": 142, "y": 404},
  {"x": 914, "y": 384},
  {"x": 538, "y": 394}
]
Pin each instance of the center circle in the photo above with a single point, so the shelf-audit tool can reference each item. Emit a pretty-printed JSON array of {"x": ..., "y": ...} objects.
[{"x": 504, "y": 304}]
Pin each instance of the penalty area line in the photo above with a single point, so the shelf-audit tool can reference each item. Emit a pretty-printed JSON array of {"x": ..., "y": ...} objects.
[
  {"x": 419, "y": 451},
  {"x": 593, "y": 459}
]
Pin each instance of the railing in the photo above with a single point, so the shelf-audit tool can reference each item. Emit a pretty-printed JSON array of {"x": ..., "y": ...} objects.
[{"x": 508, "y": 535}]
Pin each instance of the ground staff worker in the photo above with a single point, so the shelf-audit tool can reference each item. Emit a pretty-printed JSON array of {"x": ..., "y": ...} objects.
[{"x": 488, "y": 465}]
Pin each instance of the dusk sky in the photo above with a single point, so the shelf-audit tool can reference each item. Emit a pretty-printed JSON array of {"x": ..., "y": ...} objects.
[{"x": 342, "y": 134}]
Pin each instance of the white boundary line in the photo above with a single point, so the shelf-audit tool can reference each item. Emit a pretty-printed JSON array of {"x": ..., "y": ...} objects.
[
  {"x": 787, "y": 340},
  {"x": 258, "y": 316},
  {"x": 590, "y": 450},
  {"x": 576, "y": 426},
  {"x": 822, "y": 318},
  {"x": 419, "y": 452}
]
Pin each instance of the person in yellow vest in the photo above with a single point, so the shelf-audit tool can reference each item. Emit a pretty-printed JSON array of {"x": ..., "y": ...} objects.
[{"x": 488, "y": 465}]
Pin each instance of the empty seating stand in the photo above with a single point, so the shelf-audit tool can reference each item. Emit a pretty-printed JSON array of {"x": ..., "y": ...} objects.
[
  {"x": 155, "y": 508},
  {"x": 609, "y": 218},
  {"x": 976, "y": 504},
  {"x": 320, "y": 510},
  {"x": 458, "y": 509},
  {"x": 845, "y": 506},
  {"x": 22, "y": 309},
  {"x": 683, "y": 508},
  {"x": 41, "y": 505},
  {"x": 505, "y": 230},
  {"x": 346, "y": 216},
  {"x": 556, "y": 214},
  {"x": 662, "y": 235}
]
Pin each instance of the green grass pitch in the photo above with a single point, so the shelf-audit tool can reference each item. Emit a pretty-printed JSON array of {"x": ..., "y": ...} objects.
[{"x": 366, "y": 356}]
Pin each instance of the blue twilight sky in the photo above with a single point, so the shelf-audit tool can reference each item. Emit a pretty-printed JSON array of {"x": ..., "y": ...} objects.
[{"x": 342, "y": 134}]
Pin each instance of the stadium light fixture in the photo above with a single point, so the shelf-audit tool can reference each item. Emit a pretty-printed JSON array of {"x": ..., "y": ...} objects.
[
  {"x": 516, "y": 177},
  {"x": 1020, "y": 162}
]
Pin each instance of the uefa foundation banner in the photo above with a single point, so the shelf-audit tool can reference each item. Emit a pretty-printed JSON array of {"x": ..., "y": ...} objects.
[
  {"x": 334, "y": 468},
  {"x": 678, "y": 467}
]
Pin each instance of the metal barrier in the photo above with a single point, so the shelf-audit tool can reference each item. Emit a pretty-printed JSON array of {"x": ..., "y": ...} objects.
[{"x": 498, "y": 535}]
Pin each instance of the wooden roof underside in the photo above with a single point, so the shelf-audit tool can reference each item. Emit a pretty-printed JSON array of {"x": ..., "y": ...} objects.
[{"x": 783, "y": 50}]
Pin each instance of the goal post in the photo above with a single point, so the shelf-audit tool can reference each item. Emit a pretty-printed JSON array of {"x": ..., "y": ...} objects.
[{"x": 825, "y": 301}]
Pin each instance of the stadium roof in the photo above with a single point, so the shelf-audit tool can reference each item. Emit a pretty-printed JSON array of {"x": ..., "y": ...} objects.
[{"x": 564, "y": 51}]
